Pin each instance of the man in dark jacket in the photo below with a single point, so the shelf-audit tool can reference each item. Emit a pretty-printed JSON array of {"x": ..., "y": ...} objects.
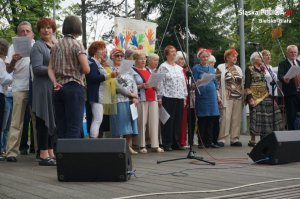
[{"x": 290, "y": 85}]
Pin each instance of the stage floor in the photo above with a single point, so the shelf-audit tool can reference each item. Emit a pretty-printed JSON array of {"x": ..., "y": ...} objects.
[{"x": 233, "y": 176}]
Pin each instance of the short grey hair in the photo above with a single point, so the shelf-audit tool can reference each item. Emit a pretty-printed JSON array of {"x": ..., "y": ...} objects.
[
  {"x": 3, "y": 47},
  {"x": 291, "y": 46},
  {"x": 22, "y": 24},
  {"x": 212, "y": 59},
  {"x": 137, "y": 53},
  {"x": 153, "y": 56},
  {"x": 180, "y": 55},
  {"x": 254, "y": 55},
  {"x": 129, "y": 53}
]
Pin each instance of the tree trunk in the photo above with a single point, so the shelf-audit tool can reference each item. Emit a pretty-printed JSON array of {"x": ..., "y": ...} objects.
[
  {"x": 83, "y": 19},
  {"x": 138, "y": 14}
]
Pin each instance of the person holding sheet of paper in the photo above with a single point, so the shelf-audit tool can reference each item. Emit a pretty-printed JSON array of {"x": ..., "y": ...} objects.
[
  {"x": 100, "y": 85},
  {"x": 20, "y": 87},
  {"x": 290, "y": 86},
  {"x": 122, "y": 123},
  {"x": 259, "y": 100},
  {"x": 171, "y": 95},
  {"x": 207, "y": 109},
  {"x": 148, "y": 106},
  {"x": 230, "y": 83}
]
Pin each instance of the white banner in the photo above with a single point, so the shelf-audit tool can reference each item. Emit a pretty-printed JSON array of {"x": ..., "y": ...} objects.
[{"x": 135, "y": 34}]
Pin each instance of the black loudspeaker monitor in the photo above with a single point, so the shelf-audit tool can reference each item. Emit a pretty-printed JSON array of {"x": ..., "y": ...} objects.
[
  {"x": 278, "y": 147},
  {"x": 104, "y": 159}
]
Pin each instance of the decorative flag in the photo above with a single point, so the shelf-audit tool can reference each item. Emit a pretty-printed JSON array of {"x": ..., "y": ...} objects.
[
  {"x": 135, "y": 34},
  {"x": 277, "y": 32}
]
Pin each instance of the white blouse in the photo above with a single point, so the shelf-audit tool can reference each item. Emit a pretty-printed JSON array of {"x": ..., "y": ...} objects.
[
  {"x": 269, "y": 80},
  {"x": 174, "y": 83}
]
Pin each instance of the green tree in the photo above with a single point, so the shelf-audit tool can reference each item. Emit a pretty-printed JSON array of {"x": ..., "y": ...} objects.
[
  {"x": 205, "y": 28},
  {"x": 256, "y": 29},
  {"x": 12, "y": 12},
  {"x": 88, "y": 9}
]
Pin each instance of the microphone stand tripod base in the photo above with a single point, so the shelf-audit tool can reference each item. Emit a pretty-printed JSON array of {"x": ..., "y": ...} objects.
[{"x": 191, "y": 155}]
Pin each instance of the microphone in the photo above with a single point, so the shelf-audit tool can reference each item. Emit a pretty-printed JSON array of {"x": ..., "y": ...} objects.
[{"x": 253, "y": 43}]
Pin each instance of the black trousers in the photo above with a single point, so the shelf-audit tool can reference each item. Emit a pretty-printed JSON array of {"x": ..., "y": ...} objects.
[
  {"x": 45, "y": 141},
  {"x": 209, "y": 129},
  {"x": 69, "y": 107},
  {"x": 171, "y": 129},
  {"x": 292, "y": 105},
  {"x": 192, "y": 120},
  {"x": 2, "y": 107}
]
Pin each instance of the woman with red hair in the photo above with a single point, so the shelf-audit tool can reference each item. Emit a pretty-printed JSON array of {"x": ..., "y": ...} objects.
[
  {"x": 206, "y": 104},
  {"x": 99, "y": 73},
  {"x": 230, "y": 81},
  {"x": 42, "y": 90}
]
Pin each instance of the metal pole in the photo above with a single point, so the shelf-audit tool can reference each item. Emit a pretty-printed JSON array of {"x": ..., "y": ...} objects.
[
  {"x": 187, "y": 28},
  {"x": 54, "y": 10},
  {"x": 242, "y": 59}
]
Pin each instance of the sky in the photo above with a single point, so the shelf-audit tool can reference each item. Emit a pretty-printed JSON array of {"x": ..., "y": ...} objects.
[{"x": 102, "y": 23}]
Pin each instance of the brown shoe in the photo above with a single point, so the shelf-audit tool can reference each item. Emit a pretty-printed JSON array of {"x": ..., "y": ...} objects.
[
  {"x": 251, "y": 143},
  {"x": 238, "y": 143}
]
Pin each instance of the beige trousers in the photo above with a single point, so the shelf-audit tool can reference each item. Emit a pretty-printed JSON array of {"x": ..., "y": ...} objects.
[
  {"x": 148, "y": 119},
  {"x": 20, "y": 100},
  {"x": 231, "y": 118}
]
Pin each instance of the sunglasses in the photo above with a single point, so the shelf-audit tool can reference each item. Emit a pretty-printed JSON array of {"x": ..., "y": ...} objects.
[{"x": 118, "y": 55}]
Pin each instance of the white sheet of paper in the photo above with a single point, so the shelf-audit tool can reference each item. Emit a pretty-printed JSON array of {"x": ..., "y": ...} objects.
[
  {"x": 126, "y": 66},
  {"x": 134, "y": 112},
  {"x": 206, "y": 78},
  {"x": 163, "y": 115},
  {"x": 155, "y": 79},
  {"x": 22, "y": 45},
  {"x": 293, "y": 71}
]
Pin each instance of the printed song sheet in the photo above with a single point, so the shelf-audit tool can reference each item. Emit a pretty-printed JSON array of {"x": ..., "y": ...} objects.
[
  {"x": 134, "y": 112},
  {"x": 293, "y": 71},
  {"x": 22, "y": 45},
  {"x": 155, "y": 79},
  {"x": 126, "y": 66},
  {"x": 206, "y": 78},
  {"x": 163, "y": 115}
]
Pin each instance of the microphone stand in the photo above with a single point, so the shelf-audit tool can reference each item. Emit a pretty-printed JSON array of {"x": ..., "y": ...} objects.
[
  {"x": 273, "y": 84},
  {"x": 191, "y": 153}
]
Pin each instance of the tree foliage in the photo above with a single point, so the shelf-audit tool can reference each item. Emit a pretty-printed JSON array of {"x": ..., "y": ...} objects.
[
  {"x": 12, "y": 12},
  {"x": 258, "y": 31}
]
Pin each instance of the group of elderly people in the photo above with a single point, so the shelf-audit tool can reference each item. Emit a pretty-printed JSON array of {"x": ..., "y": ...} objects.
[
  {"x": 217, "y": 103},
  {"x": 61, "y": 70}
]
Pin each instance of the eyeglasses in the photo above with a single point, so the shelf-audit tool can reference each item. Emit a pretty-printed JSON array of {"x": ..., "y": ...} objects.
[
  {"x": 118, "y": 55},
  {"x": 142, "y": 59}
]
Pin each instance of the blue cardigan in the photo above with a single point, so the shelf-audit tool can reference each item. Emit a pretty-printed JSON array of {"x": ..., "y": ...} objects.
[{"x": 93, "y": 80}]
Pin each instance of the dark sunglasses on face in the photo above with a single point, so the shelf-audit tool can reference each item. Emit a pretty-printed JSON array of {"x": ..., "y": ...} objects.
[{"x": 119, "y": 55}]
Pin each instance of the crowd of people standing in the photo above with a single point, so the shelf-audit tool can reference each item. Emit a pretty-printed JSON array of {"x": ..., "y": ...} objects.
[{"x": 60, "y": 77}]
